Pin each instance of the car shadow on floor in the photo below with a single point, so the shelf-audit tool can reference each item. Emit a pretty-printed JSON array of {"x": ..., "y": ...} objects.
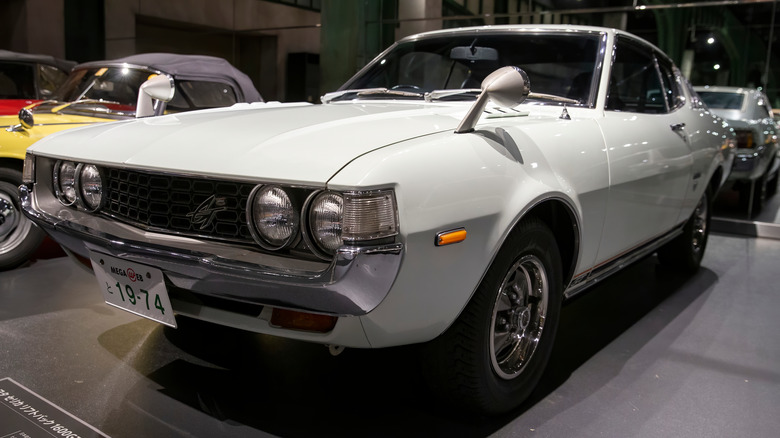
[{"x": 217, "y": 381}]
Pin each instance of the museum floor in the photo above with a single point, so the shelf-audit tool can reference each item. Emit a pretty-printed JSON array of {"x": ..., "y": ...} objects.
[{"x": 645, "y": 354}]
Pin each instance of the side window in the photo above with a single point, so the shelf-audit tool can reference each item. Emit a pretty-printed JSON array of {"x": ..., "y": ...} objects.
[
  {"x": 49, "y": 78},
  {"x": 635, "y": 84},
  {"x": 201, "y": 94}
]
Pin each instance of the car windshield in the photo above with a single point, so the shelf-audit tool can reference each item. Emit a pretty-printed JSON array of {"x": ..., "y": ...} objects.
[
  {"x": 115, "y": 90},
  {"x": 722, "y": 100},
  {"x": 557, "y": 64},
  {"x": 117, "y": 86},
  {"x": 17, "y": 81}
]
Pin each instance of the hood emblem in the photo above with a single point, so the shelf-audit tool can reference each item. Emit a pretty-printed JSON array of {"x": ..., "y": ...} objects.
[{"x": 207, "y": 211}]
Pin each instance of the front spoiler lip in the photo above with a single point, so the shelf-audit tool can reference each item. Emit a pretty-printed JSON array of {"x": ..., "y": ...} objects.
[{"x": 354, "y": 283}]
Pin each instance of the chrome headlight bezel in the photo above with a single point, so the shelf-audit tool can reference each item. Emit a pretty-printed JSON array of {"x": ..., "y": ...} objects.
[
  {"x": 64, "y": 194},
  {"x": 318, "y": 245},
  {"x": 82, "y": 197},
  {"x": 292, "y": 219}
]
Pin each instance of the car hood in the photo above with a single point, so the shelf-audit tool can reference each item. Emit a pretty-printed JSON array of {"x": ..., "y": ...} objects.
[{"x": 285, "y": 143}]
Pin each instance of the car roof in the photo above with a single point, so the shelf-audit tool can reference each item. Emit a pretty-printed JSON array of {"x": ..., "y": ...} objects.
[
  {"x": 192, "y": 67},
  {"x": 725, "y": 89},
  {"x": 62, "y": 64}
]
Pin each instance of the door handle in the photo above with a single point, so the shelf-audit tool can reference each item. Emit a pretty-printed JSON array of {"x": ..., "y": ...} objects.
[{"x": 677, "y": 126}]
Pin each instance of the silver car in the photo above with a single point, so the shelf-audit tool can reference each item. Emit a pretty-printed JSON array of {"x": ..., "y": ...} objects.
[{"x": 756, "y": 163}]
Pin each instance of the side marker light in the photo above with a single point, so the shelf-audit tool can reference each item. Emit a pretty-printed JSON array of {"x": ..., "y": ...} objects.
[{"x": 450, "y": 237}]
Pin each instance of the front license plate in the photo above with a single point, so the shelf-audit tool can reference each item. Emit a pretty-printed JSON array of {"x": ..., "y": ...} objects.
[{"x": 134, "y": 287}]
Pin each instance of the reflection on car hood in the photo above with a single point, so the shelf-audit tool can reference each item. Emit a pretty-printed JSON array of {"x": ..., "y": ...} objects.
[{"x": 291, "y": 143}]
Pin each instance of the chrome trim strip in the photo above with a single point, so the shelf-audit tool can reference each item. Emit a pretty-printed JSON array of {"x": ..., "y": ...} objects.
[
  {"x": 612, "y": 266},
  {"x": 343, "y": 288}
]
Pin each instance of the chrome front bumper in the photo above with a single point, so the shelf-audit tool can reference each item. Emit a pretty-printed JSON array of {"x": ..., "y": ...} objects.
[{"x": 353, "y": 284}]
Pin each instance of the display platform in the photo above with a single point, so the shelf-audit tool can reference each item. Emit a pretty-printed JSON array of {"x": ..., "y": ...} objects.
[{"x": 647, "y": 353}]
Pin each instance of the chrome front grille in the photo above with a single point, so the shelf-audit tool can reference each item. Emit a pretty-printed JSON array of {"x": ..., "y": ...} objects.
[{"x": 184, "y": 205}]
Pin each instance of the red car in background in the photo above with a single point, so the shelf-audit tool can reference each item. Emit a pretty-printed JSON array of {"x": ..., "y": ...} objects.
[{"x": 26, "y": 79}]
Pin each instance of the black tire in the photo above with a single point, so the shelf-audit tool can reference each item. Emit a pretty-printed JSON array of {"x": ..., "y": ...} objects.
[
  {"x": 469, "y": 365},
  {"x": 685, "y": 252},
  {"x": 19, "y": 237}
]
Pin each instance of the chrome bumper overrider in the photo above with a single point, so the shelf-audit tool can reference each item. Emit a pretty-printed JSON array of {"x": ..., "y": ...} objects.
[{"x": 354, "y": 283}]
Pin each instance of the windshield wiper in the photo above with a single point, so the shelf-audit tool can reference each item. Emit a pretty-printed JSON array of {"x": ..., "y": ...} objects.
[
  {"x": 378, "y": 92},
  {"x": 435, "y": 95},
  {"x": 59, "y": 108},
  {"x": 382, "y": 92},
  {"x": 552, "y": 98}
]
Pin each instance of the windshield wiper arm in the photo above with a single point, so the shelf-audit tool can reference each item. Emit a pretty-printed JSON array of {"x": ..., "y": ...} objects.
[
  {"x": 388, "y": 92},
  {"x": 443, "y": 94},
  {"x": 59, "y": 108},
  {"x": 552, "y": 98},
  {"x": 336, "y": 95}
]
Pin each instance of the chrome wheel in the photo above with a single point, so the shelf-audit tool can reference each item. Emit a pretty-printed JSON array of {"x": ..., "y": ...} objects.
[
  {"x": 699, "y": 237},
  {"x": 518, "y": 317},
  {"x": 14, "y": 227},
  {"x": 494, "y": 354},
  {"x": 19, "y": 237}
]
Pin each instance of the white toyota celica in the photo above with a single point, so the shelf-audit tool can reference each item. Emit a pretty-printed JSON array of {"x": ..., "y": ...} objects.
[{"x": 452, "y": 194}]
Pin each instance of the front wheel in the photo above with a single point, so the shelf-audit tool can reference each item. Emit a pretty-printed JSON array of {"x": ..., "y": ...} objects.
[
  {"x": 494, "y": 354},
  {"x": 685, "y": 252},
  {"x": 19, "y": 238}
]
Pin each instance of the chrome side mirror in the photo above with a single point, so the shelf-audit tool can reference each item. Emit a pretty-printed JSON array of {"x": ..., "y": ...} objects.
[
  {"x": 26, "y": 118},
  {"x": 160, "y": 89},
  {"x": 507, "y": 86}
]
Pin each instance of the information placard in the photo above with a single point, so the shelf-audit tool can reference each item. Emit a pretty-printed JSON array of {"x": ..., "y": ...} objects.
[{"x": 25, "y": 414}]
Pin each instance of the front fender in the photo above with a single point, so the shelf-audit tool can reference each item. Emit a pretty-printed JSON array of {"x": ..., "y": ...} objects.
[{"x": 446, "y": 181}]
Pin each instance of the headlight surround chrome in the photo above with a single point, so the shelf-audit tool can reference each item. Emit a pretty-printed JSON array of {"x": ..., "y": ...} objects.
[
  {"x": 325, "y": 215},
  {"x": 65, "y": 181},
  {"x": 273, "y": 217},
  {"x": 90, "y": 187}
]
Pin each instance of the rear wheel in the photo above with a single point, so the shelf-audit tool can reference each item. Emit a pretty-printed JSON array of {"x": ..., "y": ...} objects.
[
  {"x": 491, "y": 358},
  {"x": 19, "y": 238},
  {"x": 685, "y": 252}
]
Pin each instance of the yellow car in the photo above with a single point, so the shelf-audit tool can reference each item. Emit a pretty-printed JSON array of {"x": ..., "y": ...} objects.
[{"x": 103, "y": 91}]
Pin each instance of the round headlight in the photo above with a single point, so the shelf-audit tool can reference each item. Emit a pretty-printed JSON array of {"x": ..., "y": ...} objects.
[
  {"x": 90, "y": 187},
  {"x": 274, "y": 217},
  {"x": 65, "y": 181},
  {"x": 325, "y": 219}
]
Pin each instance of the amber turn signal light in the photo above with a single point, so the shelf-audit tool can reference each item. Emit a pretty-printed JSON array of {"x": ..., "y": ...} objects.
[
  {"x": 450, "y": 237},
  {"x": 311, "y": 322}
]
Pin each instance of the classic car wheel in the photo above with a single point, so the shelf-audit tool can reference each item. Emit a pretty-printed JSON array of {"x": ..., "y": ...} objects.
[
  {"x": 491, "y": 358},
  {"x": 685, "y": 252},
  {"x": 19, "y": 238}
]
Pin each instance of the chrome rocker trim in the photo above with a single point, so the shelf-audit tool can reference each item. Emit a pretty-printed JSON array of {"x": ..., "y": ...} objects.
[
  {"x": 353, "y": 284},
  {"x": 600, "y": 272}
]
